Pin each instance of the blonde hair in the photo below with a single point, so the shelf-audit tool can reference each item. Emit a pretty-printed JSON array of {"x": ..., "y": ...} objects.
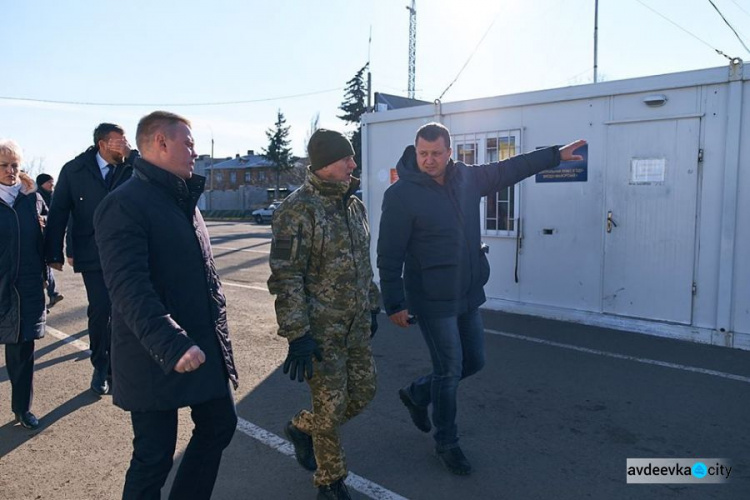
[
  {"x": 154, "y": 122},
  {"x": 9, "y": 147}
]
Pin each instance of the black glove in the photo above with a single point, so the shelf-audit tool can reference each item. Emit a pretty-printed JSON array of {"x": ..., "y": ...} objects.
[
  {"x": 374, "y": 322},
  {"x": 298, "y": 363}
]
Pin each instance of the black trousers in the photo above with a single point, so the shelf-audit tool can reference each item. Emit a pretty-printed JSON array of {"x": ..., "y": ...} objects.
[
  {"x": 154, "y": 441},
  {"x": 19, "y": 358},
  {"x": 99, "y": 312}
]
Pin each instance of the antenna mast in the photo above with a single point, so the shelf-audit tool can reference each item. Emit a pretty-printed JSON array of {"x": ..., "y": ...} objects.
[{"x": 412, "y": 45}]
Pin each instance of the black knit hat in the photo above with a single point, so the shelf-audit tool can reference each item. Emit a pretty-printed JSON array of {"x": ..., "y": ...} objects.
[
  {"x": 42, "y": 178},
  {"x": 326, "y": 147}
]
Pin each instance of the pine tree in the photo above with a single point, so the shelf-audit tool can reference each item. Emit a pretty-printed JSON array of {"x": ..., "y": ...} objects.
[
  {"x": 354, "y": 106},
  {"x": 278, "y": 152}
]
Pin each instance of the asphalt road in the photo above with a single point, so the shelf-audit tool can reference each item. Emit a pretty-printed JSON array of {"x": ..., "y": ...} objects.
[{"x": 555, "y": 413}]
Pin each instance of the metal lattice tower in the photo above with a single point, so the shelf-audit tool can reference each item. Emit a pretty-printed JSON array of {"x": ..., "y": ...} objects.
[{"x": 412, "y": 45}]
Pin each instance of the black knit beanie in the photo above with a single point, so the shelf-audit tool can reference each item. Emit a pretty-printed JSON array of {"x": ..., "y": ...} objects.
[
  {"x": 42, "y": 178},
  {"x": 326, "y": 147}
]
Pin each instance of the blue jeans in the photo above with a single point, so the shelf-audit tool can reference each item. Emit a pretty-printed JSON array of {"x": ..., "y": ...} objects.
[
  {"x": 51, "y": 287},
  {"x": 456, "y": 345}
]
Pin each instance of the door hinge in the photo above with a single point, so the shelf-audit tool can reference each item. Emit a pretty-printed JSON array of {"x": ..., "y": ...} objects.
[
  {"x": 695, "y": 288},
  {"x": 700, "y": 155}
]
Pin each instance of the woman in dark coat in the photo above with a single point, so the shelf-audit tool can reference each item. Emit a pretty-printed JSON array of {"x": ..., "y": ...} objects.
[{"x": 22, "y": 270}]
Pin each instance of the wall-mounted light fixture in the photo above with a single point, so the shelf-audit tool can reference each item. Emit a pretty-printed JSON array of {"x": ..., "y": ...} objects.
[{"x": 655, "y": 100}]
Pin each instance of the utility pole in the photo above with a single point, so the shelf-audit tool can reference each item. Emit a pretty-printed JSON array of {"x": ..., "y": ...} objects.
[
  {"x": 412, "y": 45},
  {"x": 369, "y": 76},
  {"x": 596, "y": 37},
  {"x": 211, "y": 179}
]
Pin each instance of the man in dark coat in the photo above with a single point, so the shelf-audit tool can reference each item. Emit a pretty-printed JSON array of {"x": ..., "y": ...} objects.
[
  {"x": 430, "y": 230},
  {"x": 22, "y": 270},
  {"x": 82, "y": 185},
  {"x": 170, "y": 342},
  {"x": 45, "y": 185}
]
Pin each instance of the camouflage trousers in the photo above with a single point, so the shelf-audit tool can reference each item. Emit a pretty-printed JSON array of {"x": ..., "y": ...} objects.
[{"x": 343, "y": 383}]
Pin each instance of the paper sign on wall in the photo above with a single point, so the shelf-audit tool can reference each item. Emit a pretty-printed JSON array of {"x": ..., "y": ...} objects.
[{"x": 647, "y": 170}]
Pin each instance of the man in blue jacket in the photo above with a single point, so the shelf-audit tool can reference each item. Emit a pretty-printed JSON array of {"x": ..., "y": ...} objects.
[{"x": 430, "y": 229}]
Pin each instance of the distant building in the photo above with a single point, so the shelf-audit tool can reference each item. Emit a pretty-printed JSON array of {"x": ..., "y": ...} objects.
[
  {"x": 246, "y": 182},
  {"x": 386, "y": 102},
  {"x": 201, "y": 163}
]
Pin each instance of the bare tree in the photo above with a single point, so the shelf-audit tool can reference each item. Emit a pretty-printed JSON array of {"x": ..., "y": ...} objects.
[
  {"x": 314, "y": 125},
  {"x": 34, "y": 166}
]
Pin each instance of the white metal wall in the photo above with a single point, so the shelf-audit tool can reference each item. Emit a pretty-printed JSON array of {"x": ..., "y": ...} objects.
[{"x": 564, "y": 270}]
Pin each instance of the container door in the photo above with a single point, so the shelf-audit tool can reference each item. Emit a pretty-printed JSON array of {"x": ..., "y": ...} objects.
[{"x": 650, "y": 219}]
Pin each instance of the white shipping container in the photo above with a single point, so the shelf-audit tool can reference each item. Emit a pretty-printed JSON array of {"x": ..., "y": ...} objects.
[{"x": 648, "y": 237}]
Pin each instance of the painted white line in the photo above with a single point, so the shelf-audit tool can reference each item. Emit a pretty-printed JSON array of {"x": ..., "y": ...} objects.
[
  {"x": 240, "y": 285},
  {"x": 354, "y": 481},
  {"x": 665, "y": 364},
  {"x": 83, "y": 346},
  {"x": 249, "y": 250}
]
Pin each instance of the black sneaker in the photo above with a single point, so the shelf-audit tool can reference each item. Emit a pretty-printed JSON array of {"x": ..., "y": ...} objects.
[
  {"x": 303, "y": 446},
  {"x": 418, "y": 413},
  {"x": 334, "y": 491},
  {"x": 455, "y": 461}
]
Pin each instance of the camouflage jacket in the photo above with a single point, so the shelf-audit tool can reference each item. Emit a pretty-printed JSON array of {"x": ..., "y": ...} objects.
[{"x": 320, "y": 257}]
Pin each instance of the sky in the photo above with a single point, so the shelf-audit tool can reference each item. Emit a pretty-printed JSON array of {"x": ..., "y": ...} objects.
[{"x": 131, "y": 58}]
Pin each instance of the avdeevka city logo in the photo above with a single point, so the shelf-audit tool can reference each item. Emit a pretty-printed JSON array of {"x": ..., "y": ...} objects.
[
  {"x": 678, "y": 470},
  {"x": 699, "y": 470}
]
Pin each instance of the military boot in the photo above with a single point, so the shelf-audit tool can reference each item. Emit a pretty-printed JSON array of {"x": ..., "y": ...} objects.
[
  {"x": 334, "y": 491},
  {"x": 303, "y": 446}
]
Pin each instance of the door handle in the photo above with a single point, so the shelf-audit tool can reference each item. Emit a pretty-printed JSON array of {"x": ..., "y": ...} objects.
[{"x": 610, "y": 222}]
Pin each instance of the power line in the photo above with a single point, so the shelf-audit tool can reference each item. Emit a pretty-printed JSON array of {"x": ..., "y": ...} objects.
[
  {"x": 470, "y": 56},
  {"x": 728, "y": 24},
  {"x": 168, "y": 105},
  {"x": 685, "y": 30},
  {"x": 740, "y": 7}
]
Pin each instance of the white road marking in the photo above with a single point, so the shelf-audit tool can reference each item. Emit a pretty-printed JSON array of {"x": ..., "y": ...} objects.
[
  {"x": 240, "y": 285},
  {"x": 83, "y": 346},
  {"x": 354, "y": 481},
  {"x": 665, "y": 364},
  {"x": 249, "y": 250}
]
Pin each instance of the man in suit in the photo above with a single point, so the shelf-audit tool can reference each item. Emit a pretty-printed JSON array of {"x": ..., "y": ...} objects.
[
  {"x": 83, "y": 183},
  {"x": 170, "y": 340}
]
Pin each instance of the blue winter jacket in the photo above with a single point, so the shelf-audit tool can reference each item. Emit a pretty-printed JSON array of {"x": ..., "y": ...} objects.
[{"x": 432, "y": 232}]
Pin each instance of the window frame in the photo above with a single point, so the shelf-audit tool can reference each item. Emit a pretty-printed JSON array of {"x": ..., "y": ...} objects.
[{"x": 481, "y": 156}]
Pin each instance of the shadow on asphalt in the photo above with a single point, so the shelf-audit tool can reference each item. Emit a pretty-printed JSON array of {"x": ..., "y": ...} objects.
[
  {"x": 539, "y": 421},
  {"x": 12, "y": 435}
]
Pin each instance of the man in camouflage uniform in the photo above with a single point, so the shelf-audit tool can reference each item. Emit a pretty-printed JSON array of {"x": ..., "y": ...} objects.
[{"x": 326, "y": 305}]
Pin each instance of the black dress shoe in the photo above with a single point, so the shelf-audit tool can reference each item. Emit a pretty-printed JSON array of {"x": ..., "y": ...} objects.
[
  {"x": 334, "y": 491},
  {"x": 99, "y": 383},
  {"x": 54, "y": 300},
  {"x": 27, "y": 419},
  {"x": 418, "y": 413},
  {"x": 455, "y": 461},
  {"x": 303, "y": 446}
]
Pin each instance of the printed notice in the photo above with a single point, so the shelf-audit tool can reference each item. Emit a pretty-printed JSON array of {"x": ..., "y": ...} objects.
[{"x": 647, "y": 170}]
